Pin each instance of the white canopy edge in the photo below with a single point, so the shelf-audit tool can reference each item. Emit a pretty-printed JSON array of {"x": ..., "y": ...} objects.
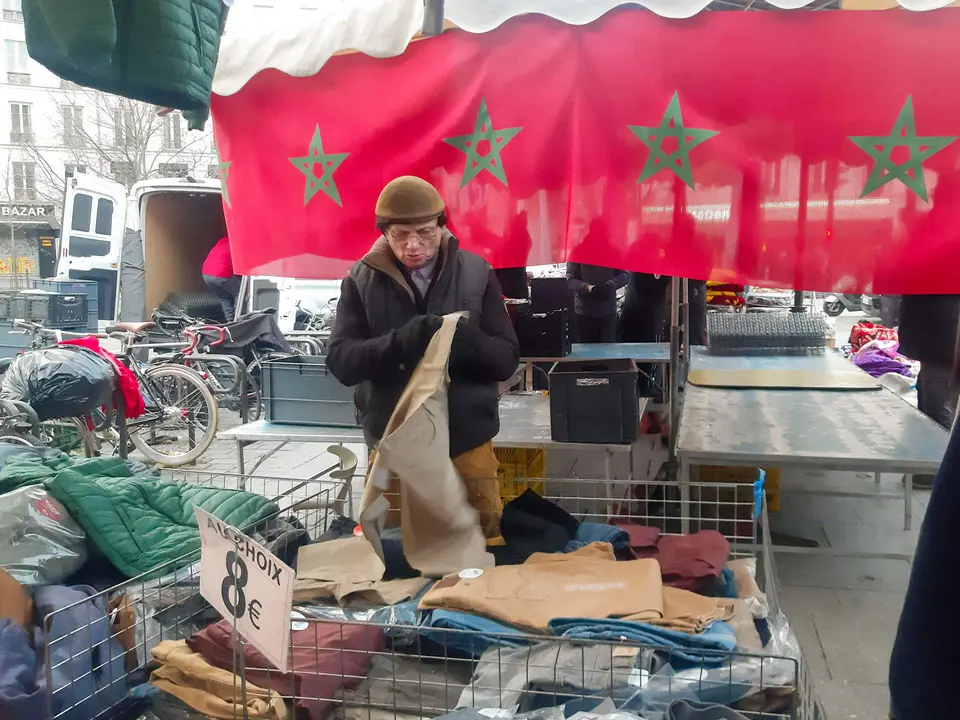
[{"x": 299, "y": 42}]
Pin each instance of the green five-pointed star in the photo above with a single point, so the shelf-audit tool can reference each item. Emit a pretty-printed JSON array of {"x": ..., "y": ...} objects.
[
  {"x": 498, "y": 139},
  {"x": 328, "y": 163},
  {"x": 224, "y": 168},
  {"x": 676, "y": 160},
  {"x": 904, "y": 134}
]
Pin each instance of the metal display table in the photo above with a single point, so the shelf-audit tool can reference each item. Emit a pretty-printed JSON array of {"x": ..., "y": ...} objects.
[
  {"x": 656, "y": 353},
  {"x": 872, "y": 431},
  {"x": 524, "y": 423}
]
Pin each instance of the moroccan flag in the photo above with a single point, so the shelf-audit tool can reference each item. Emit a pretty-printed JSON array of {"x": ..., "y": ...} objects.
[{"x": 807, "y": 150}]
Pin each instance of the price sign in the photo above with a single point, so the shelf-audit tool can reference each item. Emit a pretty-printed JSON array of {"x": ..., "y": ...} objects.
[{"x": 248, "y": 585}]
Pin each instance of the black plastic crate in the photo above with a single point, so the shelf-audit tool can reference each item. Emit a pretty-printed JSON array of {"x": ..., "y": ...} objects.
[
  {"x": 542, "y": 335},
  {"x": 89, "y": 288},
  {"x": 301, "y": 390},
  {"x": 594, "y": 402},
  {"x": 56, "y": 311}
]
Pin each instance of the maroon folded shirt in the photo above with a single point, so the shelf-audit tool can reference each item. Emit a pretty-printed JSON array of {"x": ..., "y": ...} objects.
[
  {"x": 325, "y": 658},
  {"x": 690, "y": 562}
]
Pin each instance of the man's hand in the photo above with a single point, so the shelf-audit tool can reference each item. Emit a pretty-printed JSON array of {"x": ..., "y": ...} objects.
[
  {"x": 413, "y": 338},
  {"x": 589, "y": 288}
]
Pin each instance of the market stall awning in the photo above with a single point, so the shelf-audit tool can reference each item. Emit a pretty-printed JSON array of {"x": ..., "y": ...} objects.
[{"x": 804, "y": 149}]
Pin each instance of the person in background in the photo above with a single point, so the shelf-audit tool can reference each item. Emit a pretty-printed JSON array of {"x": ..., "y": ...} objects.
[
  {"x": 928, "y": 334},
  {"x": 595, "y": 301},
  {"x": 391, "y": 305},
  {"x": 220, "y": 279}
]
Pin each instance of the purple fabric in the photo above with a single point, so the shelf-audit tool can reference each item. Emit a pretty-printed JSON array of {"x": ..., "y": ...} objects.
[{"x": 879, "y": 358}]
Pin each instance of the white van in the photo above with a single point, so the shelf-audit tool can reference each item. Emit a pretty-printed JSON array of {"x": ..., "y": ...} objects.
[{"x": 142, "y": 246}]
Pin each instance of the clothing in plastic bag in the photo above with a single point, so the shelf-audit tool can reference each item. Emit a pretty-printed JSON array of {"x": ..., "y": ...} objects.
[
  {"x": 40, "y": 544},
  {"x": 59, "y": 382},
  {"x": 134, "y": 405}
]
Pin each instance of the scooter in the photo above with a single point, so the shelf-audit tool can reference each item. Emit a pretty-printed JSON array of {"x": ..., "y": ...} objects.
[{"x": 834, "y": 305}]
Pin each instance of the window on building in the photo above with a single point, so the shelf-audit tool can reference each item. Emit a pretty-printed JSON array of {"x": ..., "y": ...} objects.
[
  {"x": 213, "y": 170},
  {"x": 12, "y": 12},
  {"x": 21, "y": 123},
  {"x": 124, "y": 127},
  {"x": 18, "y": 62},
  {"x": 172, "y": 132},
  {"x": 24, "y": 181},
  {"x": 74, "y": 168},
  {"x": 72, "y": 124},
  {"x": 123, "y": 172},
  {"x": 180, "y": 170}
]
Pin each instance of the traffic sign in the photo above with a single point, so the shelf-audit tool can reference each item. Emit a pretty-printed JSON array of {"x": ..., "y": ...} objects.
[{"x": 248, "y": 585}]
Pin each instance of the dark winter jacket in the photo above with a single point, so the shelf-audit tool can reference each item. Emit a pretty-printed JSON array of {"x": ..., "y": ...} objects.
[
  {"x": 928, "y": 328},
  {"x": 924, "y": 659},
  {"x": 376, "y": 300},
  {"x": 602, "y": 300}
]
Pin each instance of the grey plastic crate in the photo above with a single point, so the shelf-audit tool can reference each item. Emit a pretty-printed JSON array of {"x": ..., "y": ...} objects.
[{"x": 301, "y": 391}]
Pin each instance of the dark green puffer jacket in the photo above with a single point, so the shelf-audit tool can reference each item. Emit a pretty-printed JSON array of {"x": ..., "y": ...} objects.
[
  {"x": 143, "y": 524},
  {"x": 159, "y": 51}
]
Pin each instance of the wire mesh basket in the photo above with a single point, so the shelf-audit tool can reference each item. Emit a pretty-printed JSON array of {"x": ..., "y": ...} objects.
[
  {"x": 96, "y": 649},
  {"x": 372, "y": 663},
  {"x": 766, "y": 333}
]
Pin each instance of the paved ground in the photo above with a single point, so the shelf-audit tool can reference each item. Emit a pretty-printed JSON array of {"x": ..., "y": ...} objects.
[{"x": 844, "y": 609}]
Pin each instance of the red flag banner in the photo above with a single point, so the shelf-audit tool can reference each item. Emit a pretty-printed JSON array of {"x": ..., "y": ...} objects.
[{"x": 807, "y": 150}]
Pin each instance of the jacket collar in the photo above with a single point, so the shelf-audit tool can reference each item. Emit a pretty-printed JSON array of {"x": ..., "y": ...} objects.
[{"x": 382, "y": 259}]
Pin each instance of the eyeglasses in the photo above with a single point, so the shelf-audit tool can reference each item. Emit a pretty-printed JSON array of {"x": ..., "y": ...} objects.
[{"x": 423, "y": 235}]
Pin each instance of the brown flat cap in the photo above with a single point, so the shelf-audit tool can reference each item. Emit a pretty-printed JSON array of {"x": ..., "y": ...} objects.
[{"x": 409, "y": 199}]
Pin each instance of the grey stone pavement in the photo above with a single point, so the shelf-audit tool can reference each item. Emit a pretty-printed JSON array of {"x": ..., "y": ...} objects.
[{"x": 844, "y": 609}]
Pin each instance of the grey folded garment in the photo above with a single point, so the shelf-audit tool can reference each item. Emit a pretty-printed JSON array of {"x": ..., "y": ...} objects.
[
  {"x": 689, "y": 710},
  {"x": 406, "y": 687}
]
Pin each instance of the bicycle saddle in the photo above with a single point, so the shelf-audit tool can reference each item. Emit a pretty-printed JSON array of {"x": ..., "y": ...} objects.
[{"x": 131, "y": 327}]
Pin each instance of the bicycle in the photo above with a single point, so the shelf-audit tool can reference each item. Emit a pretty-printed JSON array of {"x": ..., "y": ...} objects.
[{"x": 177, "y": 400}]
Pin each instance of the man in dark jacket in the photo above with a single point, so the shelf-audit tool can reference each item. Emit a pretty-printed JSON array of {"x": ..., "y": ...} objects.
[
  {"x": 595, "y": 300},
  {"x": 928, "y": 334},
  {"x": 390, "y": 306}
]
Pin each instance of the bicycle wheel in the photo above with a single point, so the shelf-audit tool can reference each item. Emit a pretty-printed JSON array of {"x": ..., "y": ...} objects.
[
  {"x": 180, "y": 422},
  {"x": 70, "y": 435},
  {"x": 254, "y": 392}
]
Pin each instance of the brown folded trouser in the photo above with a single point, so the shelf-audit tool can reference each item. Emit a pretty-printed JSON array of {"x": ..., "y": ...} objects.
[
  {"x": 478, "y": 470},
  {"x": 207, "y": 689},
  {"x": 589, "y": 583}
]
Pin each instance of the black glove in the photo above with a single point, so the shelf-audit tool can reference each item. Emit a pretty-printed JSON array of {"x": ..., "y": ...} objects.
[
  {"x": 413, "y": 338},
  {"x": 466, "y": 343},
  {"x": 601, "y": 292}
]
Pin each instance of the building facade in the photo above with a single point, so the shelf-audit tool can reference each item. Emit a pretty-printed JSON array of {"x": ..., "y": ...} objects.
[{"x": 50, "y": 127}]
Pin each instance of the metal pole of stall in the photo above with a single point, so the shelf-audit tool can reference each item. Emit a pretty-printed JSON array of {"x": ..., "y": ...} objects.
[
  {"x": 432, "y": 18},
  {"x": 674, "y": 392},
  {"x": 685, "y": 318},
  {"x": 244, "y": 298}
]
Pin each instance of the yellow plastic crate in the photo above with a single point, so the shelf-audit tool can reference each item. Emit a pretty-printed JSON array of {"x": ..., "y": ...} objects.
[
  {"x": 722, "y": 474},
  {"x": 520, "y": 469}
]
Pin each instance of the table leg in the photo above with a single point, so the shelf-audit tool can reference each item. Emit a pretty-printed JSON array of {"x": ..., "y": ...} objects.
[
  {"x": 908, "y": 501},
  {"x": 608, "y": 474},
  {"x": 684, "y": 495},
  {"x": 876, "y": 479},
  {"x": 240, "y": 463}
]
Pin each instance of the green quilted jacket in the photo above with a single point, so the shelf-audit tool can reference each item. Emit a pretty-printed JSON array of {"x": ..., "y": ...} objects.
[
  {"x": 159, "y": 51},
  {"x": 142, "y": 523}
]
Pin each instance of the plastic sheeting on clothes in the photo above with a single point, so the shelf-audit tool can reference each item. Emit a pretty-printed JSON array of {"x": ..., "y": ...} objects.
[
  {"x": 59, "y": 382},
  {"x": 40, "y": 544}
]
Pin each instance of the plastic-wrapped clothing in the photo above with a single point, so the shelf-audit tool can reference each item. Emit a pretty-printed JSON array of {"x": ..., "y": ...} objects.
[
  {"x": 22, "y": 465},
  {"x": 85, "y": 663},
  {"x": 40, "y": 544},
  {"x": 441, "y": 531},
  {"x": 59, "y": 382},
  {"x": 134, "y": 405}
]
